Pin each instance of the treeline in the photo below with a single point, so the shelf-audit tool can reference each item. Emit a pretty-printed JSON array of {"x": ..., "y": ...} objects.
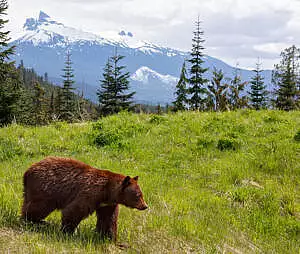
[
  {"x": 28, "y": 98},
  {"x": 195, "y": 92},
  {"x": 34, "y": 100}
]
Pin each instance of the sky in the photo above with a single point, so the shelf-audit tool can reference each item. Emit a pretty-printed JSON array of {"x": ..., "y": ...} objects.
[{"x": 238, "y": 32}]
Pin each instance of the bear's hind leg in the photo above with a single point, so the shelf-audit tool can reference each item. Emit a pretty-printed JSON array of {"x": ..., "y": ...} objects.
[
  {"x": 36, "y": 211},
  {"x": 72, "y": 215},
  {"x": 107, "y": 221}
]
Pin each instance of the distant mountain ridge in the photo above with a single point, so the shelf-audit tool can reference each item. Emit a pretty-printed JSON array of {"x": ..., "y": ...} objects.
[{"x": 154, "y": 69}]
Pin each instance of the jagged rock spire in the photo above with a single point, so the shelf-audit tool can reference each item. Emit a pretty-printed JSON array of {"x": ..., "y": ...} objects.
[{"x": 43, "y": 17}]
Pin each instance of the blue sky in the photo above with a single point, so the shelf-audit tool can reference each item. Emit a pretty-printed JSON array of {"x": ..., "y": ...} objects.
[{"x": 236, "y": 31}]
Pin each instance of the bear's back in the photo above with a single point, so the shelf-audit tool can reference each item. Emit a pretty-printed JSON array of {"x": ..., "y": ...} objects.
[{"x": 62, "y": 179}]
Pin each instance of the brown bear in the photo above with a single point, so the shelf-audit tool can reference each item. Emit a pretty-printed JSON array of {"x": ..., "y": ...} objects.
[{"x": 78, "y": 190}]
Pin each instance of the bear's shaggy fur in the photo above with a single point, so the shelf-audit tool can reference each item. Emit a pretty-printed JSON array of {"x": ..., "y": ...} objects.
[{"x": 78, "y": 190}]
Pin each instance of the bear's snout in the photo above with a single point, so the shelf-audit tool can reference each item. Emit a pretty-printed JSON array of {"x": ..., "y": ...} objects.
[{"x": 143, "y": 206}]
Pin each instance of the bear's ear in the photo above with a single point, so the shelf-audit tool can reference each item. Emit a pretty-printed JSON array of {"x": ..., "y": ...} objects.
[
  {"x": 136, "y": 178},
  {"x": 126, "y": 181}
]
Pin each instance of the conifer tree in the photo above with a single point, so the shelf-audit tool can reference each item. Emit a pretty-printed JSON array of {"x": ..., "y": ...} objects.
[
  {"x": 24, "y": 112},
  {"x": 38, "y": 101},
  {"x": 158, "y": 109},
  {"x": 114, "y": 85},
  {"x": 181, "y": 91},
  {"x": 68, "y": 109},
  {"x": 46, "y": 79},
  {"x": 22, "y": 71},
  {"x": 106, "y": 93},
  {"x": 286, "y": 76},
  {"x": 197, "y": 81},
  {"x": 258, "y": 91},
  {"x": 9, "y": 77},
  {"x": 52, "y": 104},
  {"x": 121, "y": 80},
  {"x": 218, "y": 91}
]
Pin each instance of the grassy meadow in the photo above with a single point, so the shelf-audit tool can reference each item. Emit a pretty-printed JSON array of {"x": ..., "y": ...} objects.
[{"x": 214, "y": 182}]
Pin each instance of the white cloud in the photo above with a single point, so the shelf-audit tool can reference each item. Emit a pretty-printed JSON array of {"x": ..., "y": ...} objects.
[{"x": 234, "y": 29}]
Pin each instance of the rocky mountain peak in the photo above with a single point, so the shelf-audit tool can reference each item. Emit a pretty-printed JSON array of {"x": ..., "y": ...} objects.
[{"x": 33, "y": 24}]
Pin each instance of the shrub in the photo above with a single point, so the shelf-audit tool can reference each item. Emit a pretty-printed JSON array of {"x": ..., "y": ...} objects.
[
  {"x": 157, "y": 119},
  {"x": 106, "y": 138},
  {"x": 115, "y": 131},
  {"x": 227, "y": 144},
  {"x": 204, "y": 143},
  {"x": 297, "y": 136}
]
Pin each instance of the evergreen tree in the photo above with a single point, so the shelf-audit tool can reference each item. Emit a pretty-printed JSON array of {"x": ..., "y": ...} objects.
[
  {"x": 286, "y": 76},
  {"x": 112, "y": 93},
  {"x": 158, "y": 109},
  {"x": 181, "y": 91},
  {"x": 197, "y": 80},
  {"x": 58, "y": 103},
  {"x": 68, "y": 109},
  {"x": 9, "y": 77},
  {"x": 22, "y": 71},
  {"x": 39, "y": 101},
  {"x": 52, "y": 105},
  {"x": 46, "y": 77},
  {"x": 24, "y": 112},
  {"x": 122, "y": 84},
  {"x": 258, "y": 91},
  {"x": 218, "y": 91},
  {"x": 107, "y": 92}
]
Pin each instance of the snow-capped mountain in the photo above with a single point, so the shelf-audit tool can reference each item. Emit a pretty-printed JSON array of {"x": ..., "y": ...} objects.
[
  {"x": 154, "y": 70},
  {"x": 153, "y": 86}
]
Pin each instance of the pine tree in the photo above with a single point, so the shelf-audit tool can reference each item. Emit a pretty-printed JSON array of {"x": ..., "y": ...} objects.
[
  {"x": 197, "y": 80},
  {"x": 258, "y": 91},
  {"x": 38, "y": 101},
  {"x": 181, "y": 91},
  {"x": 286, "y": 76},
  {"x": 122, "y": 84},
  {"x": 24, "y": 112},
  {"x": 58, "y": 103},
  {"x": 159, "y": 110},
  {"x": 9, "y": 77},
  {"x": 112, "y": 93},
  {"x": 218, "y": 91},
  {"x": 107, "y": 92},
  {"x": 22, "y": 71},
  {"x": 68, "y": 110},
  {"x": 51, "y": 111},
  {"x": 46, "y": 79}
]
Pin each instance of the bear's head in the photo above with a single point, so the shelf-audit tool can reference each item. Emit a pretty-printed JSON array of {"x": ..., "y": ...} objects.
[{"x": 131, "y": 195}]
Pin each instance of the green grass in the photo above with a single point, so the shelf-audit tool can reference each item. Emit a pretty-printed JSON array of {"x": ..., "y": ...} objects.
[{"x": 214, "y": 182}]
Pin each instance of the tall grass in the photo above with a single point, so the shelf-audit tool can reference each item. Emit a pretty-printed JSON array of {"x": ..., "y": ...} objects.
[{"x": 214, "y": 182}]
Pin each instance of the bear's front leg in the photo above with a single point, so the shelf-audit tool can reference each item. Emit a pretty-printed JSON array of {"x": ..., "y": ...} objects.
[{"x": 107, "y": 220}]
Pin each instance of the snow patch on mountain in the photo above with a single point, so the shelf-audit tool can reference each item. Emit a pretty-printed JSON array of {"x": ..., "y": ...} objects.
[{"x": 144, "y": 74}]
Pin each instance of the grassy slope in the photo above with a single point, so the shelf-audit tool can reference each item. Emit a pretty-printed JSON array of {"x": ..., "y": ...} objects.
[{"x": 214, "y": 182}]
